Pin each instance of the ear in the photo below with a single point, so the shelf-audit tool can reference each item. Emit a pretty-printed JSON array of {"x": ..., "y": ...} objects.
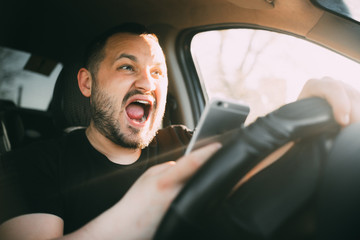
[{"x": 84, "y": 81}]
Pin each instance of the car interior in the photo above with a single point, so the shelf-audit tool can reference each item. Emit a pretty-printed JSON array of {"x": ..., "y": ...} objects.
[{"x": 253, "y": 51}]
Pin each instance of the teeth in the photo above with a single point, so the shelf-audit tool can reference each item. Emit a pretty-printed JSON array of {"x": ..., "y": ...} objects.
[{"x": 142, "y": 102}]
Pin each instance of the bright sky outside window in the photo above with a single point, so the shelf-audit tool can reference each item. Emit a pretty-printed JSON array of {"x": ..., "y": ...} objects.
[{"x": 262, "y": 68}]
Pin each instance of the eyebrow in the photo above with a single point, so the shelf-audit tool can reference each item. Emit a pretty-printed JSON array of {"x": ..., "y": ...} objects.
[{"x": 124, "y": 55}]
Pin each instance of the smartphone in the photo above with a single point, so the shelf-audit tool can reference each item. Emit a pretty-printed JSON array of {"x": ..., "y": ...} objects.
[{"x": 220, "y": 119}]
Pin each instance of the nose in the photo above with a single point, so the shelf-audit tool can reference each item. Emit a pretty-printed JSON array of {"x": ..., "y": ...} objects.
[{"x": 145, "y": 82}]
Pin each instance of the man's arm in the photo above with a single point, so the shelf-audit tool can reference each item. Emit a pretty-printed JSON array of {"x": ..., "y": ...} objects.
[
  {"x": 344, "y": 100},
  {"x": 32, "y": 226},
  {"x": 136, "y": 216}
]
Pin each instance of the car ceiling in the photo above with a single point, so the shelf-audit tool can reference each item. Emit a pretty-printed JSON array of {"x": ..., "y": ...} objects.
[{"x": 57, "y": 27}]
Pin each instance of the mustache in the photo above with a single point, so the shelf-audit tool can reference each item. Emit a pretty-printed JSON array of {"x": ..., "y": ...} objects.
[{"x": 138, "y": 92}]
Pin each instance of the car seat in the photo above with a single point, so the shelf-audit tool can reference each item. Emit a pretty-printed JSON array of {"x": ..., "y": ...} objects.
[
  {"x": 70, "y": 109},
  {"x": 11, "y": 126}
]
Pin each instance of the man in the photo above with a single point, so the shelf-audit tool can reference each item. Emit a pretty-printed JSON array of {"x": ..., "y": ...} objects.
[
  {"x": 79, "y": 185},
  {"x": 62, "y": 180}
]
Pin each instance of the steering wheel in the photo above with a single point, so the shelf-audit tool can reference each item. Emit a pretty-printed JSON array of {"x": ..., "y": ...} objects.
[{"x": 212, "y": 184}]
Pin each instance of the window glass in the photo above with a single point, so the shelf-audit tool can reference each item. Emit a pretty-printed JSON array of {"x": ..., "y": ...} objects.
[
  {"x": 264, "y": 69},
  {"x": 347, "y": 8},
  {"x": 26, "y": 88}
]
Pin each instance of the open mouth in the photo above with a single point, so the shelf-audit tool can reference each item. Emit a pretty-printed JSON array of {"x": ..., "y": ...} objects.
[{"x": 139, "y": 110}]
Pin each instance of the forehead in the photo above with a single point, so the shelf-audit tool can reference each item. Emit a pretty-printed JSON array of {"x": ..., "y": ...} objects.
[{"x": 137, "y": 45}]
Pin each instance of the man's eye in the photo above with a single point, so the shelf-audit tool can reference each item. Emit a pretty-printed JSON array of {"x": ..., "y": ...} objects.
[
  {"x": 156, "y": 73},
  {"x": 126, "y": 67}
]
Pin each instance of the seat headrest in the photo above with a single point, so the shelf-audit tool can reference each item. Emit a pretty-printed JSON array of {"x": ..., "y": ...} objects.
[{"x": 68, "y": 106}]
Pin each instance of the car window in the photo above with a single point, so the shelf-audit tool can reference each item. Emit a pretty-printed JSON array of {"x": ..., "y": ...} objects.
[
  {"x": 264, "y": 69},
  {"x": 347, "y": 8},
  {"x": 27, "y": 80}
]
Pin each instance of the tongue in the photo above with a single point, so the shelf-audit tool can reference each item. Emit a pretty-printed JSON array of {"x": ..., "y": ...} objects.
[{"x": 135, "y": 111}]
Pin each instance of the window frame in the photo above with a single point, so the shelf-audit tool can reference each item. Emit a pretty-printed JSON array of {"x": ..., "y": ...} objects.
[{"x": 196, "y": 93}]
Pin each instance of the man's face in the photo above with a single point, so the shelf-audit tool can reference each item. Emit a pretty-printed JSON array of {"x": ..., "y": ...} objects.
[{"x": 128, "y": 96}]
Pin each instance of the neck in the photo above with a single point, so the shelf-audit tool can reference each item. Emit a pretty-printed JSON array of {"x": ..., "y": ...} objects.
[{"x": 114, "y": 152}]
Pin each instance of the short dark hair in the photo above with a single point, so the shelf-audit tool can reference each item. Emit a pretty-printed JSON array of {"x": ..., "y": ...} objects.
[{"x": 95, "y": 51}]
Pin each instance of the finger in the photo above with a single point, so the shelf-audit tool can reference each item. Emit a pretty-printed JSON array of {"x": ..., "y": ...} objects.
[
  {"x": 336, "y": 94},
  {"x": 187, "y": 165},
  {"x": 355, "y": 106},
  {"x": 339, "y": 100},
  {"x": 159, "y": 168}
]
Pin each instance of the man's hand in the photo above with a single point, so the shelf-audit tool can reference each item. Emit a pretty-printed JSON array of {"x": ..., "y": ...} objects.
[{"x": 344, "y": 99}]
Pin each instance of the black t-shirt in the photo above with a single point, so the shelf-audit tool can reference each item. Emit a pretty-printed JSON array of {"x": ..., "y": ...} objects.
[{"x": 67, "y": 177}]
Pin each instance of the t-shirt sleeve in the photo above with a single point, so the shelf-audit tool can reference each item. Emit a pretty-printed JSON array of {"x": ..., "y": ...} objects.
[{"x": 29, "y": 184}]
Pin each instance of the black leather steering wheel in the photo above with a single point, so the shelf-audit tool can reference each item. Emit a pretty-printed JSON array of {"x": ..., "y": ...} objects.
[{"x": 211, "y": 185}]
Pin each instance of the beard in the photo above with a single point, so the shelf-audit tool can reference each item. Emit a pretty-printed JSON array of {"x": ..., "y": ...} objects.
[{"x": 105, "y": 117}]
